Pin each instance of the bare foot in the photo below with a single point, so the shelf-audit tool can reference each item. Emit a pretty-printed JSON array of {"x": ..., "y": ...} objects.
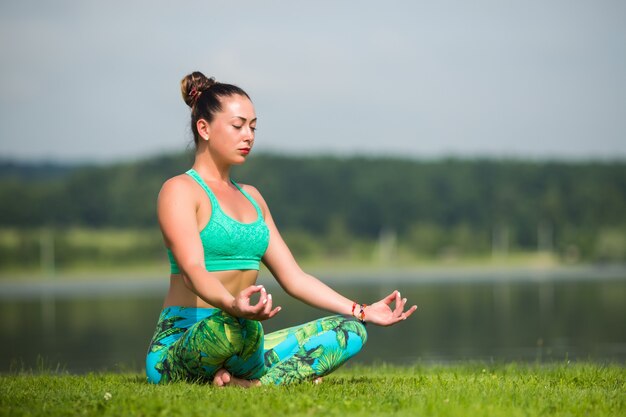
[
  {"x": 318, "y": 380},
  {"x": 222, "y": 378},
  {"x": 244, "y": 383}
]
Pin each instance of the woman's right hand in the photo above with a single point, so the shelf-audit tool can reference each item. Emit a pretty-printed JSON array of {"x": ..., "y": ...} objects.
[{"x": 260, "y": 311}]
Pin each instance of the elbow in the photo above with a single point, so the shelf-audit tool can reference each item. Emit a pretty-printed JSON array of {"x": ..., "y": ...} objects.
[
  {"x": 288, "y": 286},
  {"x": 290, "y": 290},
  {"x": 187, "y": 272},
  {"x": 295, "y": 286},
  {"x": 187, "y": 281}
]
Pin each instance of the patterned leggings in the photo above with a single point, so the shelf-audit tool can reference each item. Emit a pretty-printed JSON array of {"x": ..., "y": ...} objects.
[{"x": 194, "y": 343}]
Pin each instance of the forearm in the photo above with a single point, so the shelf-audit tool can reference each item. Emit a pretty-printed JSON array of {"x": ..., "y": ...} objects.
[
  {"x": 206, "y": 286},
  {"x": 314, "y": 292}
]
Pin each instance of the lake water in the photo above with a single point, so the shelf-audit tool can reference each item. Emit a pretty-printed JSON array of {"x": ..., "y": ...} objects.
[{"x": 100, "y": 326}]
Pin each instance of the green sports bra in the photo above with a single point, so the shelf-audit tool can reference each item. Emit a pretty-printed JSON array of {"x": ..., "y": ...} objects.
[{"x": 229, "y": 244}]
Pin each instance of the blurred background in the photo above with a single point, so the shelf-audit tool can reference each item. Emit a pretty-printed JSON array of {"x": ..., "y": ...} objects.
[{"x": 471, "y": 154}]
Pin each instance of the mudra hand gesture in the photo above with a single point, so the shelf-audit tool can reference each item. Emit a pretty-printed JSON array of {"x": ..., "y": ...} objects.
[
  {"x": 262, "y": 310},
  {"x": 380, "y": 312}
]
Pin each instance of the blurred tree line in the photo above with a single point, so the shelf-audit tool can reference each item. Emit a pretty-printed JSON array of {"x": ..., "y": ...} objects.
[{"x": 339, "y": 207}]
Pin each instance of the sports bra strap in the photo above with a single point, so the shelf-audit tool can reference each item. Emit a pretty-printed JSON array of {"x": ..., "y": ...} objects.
[
  {"x": 249, "y": 197},
  {"x": 193, "y": 174}
]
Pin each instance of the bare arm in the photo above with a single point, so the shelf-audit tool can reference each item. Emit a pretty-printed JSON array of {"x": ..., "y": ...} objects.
[
  {"x": 176, "y": 210},
  {"x": 305, "y": 287}
]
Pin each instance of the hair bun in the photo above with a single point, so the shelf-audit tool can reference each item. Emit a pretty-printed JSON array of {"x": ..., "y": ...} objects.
[{"x": 192, "y": 85}]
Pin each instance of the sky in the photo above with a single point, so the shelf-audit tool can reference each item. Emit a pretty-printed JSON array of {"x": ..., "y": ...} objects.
[{"x": 100, "y": 81}]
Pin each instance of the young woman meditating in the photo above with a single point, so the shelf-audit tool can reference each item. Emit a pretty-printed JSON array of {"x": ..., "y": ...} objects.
[{"x": 217, "y": 232}]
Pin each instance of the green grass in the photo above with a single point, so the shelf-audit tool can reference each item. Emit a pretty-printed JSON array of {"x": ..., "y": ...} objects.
[{"x": 470, "y": 389}]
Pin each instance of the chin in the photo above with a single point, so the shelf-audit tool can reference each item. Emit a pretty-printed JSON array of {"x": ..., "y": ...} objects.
[{"x": 240, "y": 160}]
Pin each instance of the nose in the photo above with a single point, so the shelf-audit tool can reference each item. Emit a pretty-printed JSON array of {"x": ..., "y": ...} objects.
[{"x": 249, "y": 135}]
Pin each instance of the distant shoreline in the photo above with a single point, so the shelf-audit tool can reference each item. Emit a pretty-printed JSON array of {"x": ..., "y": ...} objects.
[{"x": 152, "y": 284}]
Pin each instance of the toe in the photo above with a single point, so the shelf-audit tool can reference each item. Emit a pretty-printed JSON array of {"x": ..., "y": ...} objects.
[{"x": 226, "y": 377}]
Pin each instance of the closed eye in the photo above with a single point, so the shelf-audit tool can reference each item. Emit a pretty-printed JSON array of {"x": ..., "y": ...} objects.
[{"x": 239, "y": 127}]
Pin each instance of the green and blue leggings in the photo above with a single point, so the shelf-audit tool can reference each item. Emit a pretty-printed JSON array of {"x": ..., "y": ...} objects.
[{"x": 194, "y": 343}]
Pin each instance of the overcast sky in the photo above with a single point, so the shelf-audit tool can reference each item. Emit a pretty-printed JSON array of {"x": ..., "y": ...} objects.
[{"x": 99, "y": 81}]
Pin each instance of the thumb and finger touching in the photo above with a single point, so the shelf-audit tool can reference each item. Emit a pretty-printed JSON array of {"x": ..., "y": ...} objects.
[{"x": 262, "y": 309}]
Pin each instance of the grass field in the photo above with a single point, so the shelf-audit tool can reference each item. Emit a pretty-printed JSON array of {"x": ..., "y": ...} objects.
[{"x": 469, "y": 389}]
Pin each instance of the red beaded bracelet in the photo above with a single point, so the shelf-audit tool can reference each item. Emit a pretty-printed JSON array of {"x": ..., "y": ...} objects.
[{"x": 362, "y": 313}]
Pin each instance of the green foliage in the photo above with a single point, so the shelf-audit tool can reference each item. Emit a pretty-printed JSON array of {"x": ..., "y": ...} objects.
[
  {"x": 474, "y": 389},
  {"x": 345, "y": 207},
  {"x": 76, "y": 247}
]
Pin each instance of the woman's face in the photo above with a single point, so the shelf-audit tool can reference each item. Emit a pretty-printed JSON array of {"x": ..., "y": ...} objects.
[{"x": 231, "y": 133}]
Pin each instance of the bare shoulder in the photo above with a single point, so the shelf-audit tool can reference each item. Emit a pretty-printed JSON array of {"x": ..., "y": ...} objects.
[
  {"x": 254, "y": 193},
  {"x": 179, "y": 186}
]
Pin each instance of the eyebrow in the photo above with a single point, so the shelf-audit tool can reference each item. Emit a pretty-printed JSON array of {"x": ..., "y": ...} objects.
[{"x": 243, "y": 119}]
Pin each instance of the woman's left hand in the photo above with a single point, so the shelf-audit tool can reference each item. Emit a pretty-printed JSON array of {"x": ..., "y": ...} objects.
[{"x": 380, "y": 313}]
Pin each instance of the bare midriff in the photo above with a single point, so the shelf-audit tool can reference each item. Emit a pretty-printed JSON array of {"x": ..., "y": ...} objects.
[{"x": 234, "y": 281}]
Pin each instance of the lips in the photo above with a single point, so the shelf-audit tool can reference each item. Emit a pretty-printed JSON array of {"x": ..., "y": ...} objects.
[{"x": 245, "y": 151}]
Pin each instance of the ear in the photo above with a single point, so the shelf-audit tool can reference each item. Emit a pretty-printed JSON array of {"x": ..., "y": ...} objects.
[{"x": 204, "y": 129}]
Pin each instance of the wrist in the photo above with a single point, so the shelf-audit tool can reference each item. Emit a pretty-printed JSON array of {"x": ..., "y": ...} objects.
[
  {"x": 358, "y": 311},
  {"x": 230, "y": 305}
]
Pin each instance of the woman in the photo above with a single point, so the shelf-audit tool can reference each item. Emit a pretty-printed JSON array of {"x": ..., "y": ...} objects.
[{"x": 217, "y": 232}]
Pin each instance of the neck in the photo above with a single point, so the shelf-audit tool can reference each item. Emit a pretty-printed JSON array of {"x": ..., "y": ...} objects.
[{"x": 211, "y": 170}]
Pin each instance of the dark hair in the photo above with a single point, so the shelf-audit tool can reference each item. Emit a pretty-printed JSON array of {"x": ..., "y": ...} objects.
[{"x": 203, "y": 95}]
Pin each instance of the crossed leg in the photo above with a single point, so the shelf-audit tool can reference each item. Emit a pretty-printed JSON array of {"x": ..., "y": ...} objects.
[{"x": 233, "y": 352}]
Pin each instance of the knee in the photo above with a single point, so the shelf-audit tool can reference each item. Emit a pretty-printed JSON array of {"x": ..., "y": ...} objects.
[{"x": 351, "y": 325}]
